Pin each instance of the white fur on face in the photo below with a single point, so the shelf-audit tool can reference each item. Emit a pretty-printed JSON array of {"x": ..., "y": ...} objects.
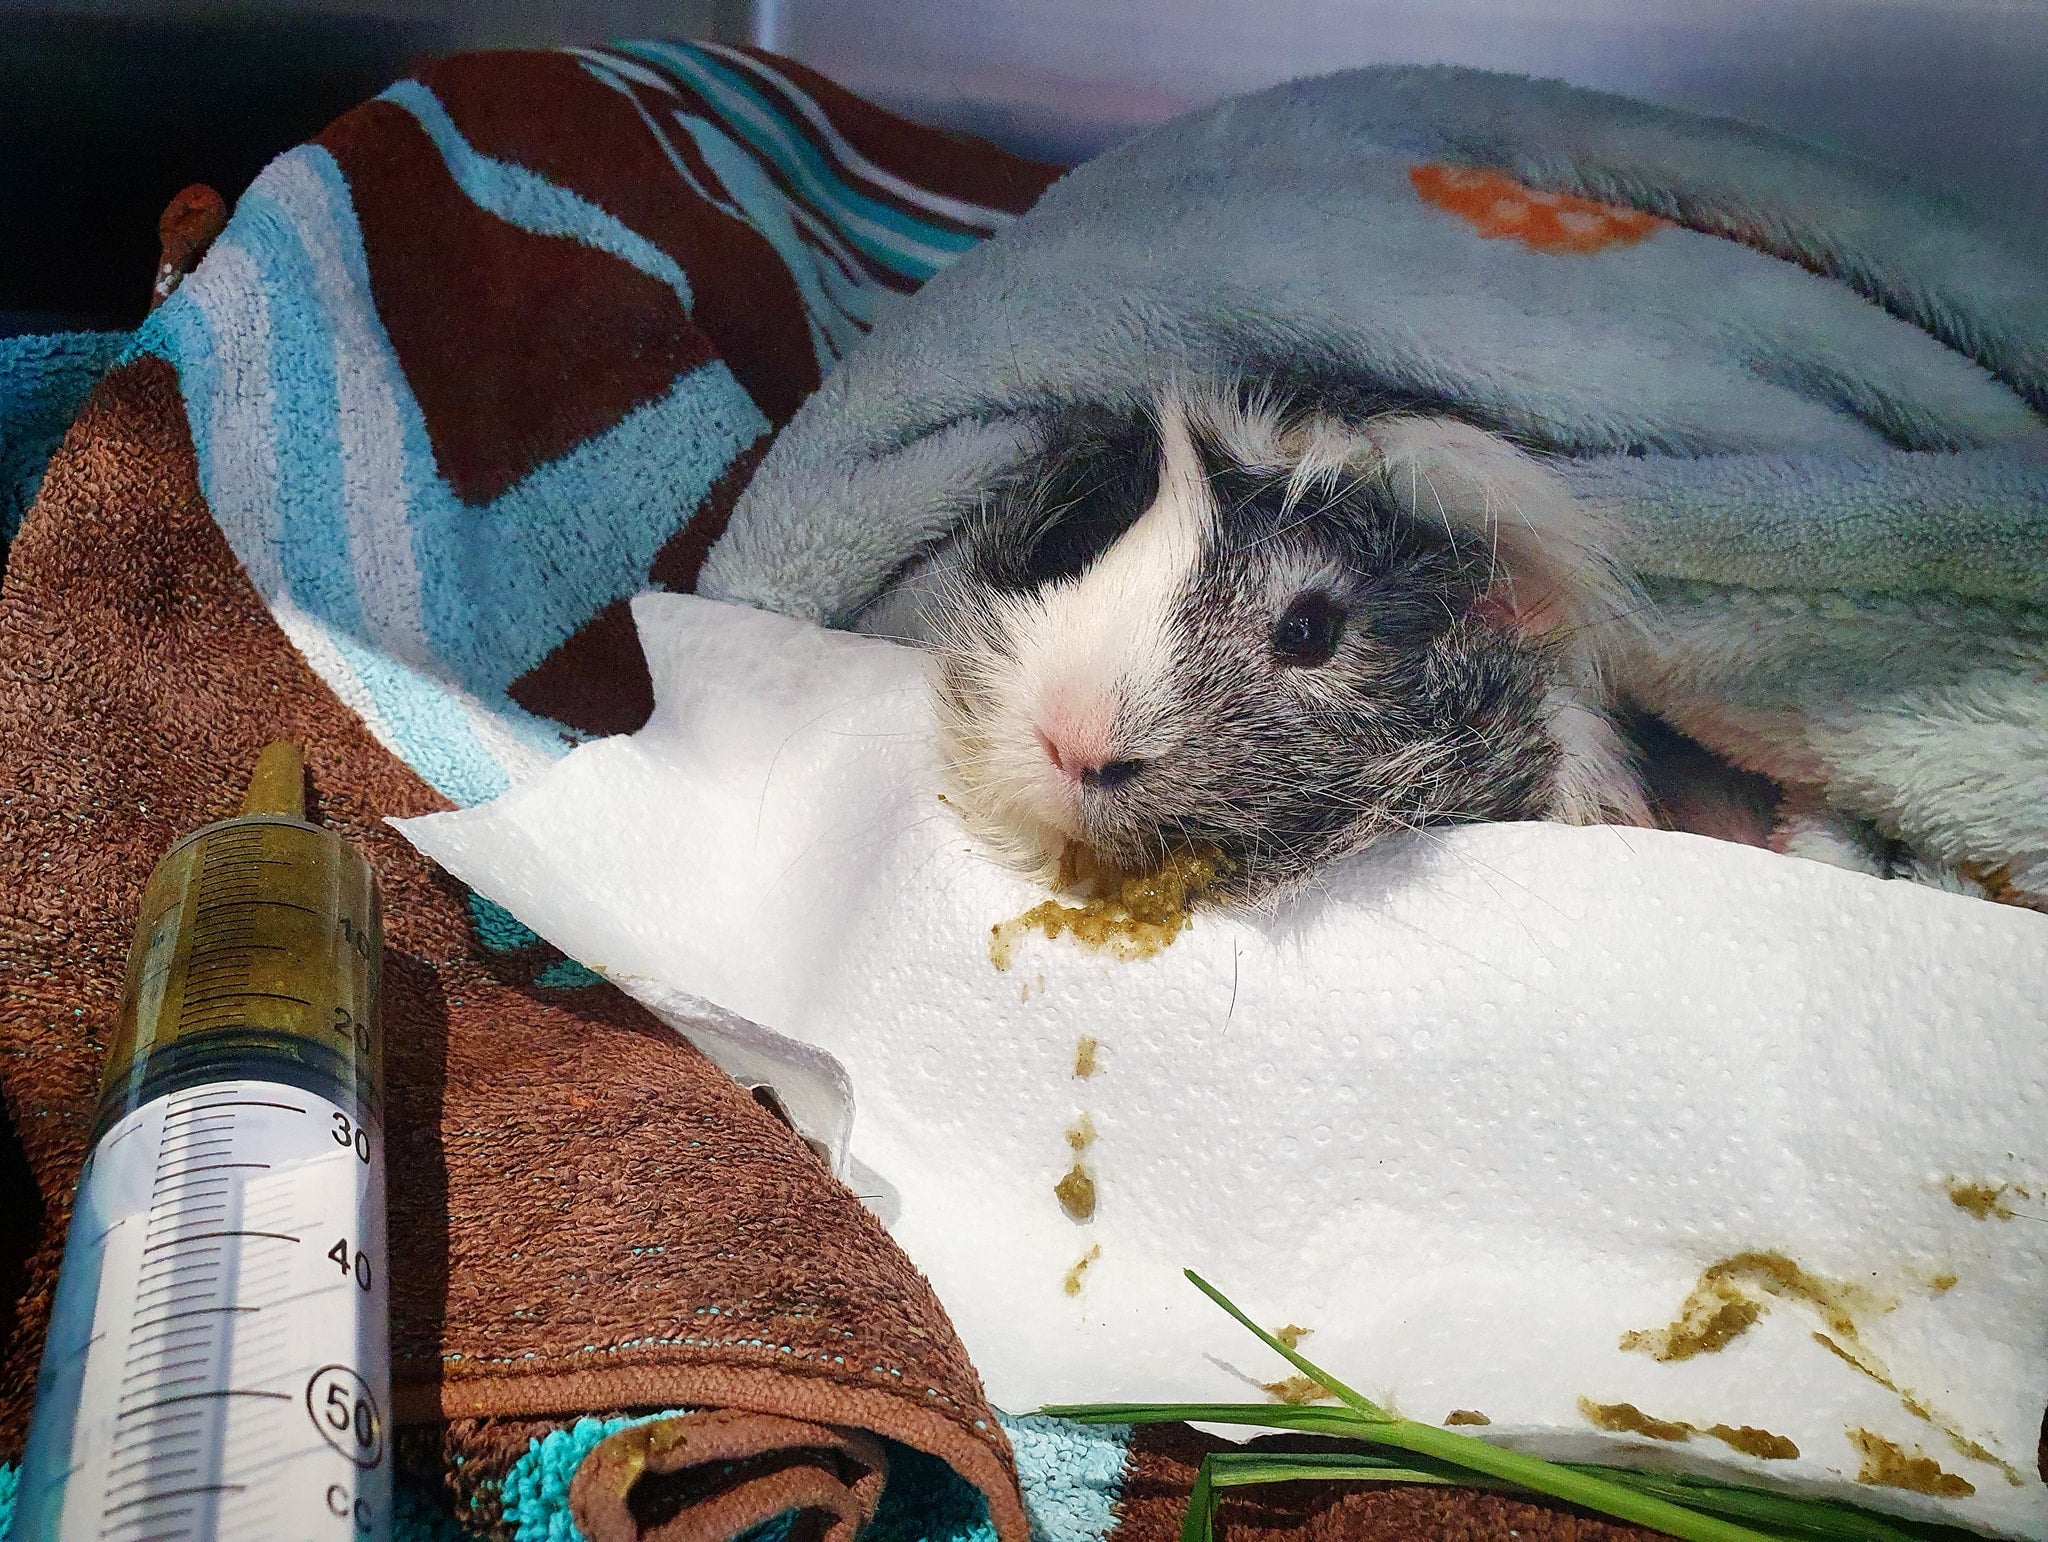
[{"x": 1088, "y": 658}]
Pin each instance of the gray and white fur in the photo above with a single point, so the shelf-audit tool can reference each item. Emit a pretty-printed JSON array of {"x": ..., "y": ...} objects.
[{"x": 1226, "y": 621}]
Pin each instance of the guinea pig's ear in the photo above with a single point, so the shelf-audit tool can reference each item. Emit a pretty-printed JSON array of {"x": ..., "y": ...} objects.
[{"x": 1554, "y": 573}]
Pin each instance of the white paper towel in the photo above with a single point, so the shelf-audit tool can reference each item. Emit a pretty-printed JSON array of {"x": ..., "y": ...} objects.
[{"x": 1490, "y": 1102}]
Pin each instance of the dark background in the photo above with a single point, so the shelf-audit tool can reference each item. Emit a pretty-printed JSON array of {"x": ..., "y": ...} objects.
[
  {"x": 108, "y": 107},
  {"x": 107, "y": 117}
]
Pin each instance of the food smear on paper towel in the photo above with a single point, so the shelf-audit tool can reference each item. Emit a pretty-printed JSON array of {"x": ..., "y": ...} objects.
[
  {"x": 1983, "y": 1200},
  {"x": 1297, "y": 1390},
  {"x": 1076, "y": 1191},
  {"x": 1733, "y": 1294},
  {"x": 1072, "y": 1284},
  {"x": 1726, "y": 1304},
  {"x": 1466, "y": 1416},
  {"x": 1892, "y": 1466},
  {"x": 1085, "y": 1050},
  {"x": 1627, "y": 1419},
  {"x": 1859, "y": 1356},
  {"x": 1751, "y": 1441},
  {"x": 1128, "y": 915}
]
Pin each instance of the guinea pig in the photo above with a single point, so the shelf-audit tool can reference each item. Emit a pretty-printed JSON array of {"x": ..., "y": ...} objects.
[{"x": 1227, "y": 624}]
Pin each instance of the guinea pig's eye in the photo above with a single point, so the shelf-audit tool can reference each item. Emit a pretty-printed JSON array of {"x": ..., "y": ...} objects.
[{"x": 1308, "y": 632}]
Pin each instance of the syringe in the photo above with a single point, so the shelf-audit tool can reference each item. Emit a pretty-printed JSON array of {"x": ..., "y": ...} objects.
[{"x": 217, "y": 1363}]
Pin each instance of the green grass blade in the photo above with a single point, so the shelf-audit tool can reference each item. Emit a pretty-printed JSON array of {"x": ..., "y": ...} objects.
[
  {"x": 1683, "y": 1505},
  {"x": 1300, "y": 1362},
  {"x": 1199, "y": 1525},
  {"x": 1781, "y": 1515},
  {"x": 1475, "y": 1455},
  {"x": 1820, "y": 1519},
  {"x": 1242, "y": 1469},
  {"x": 1306, "y": 1417}
]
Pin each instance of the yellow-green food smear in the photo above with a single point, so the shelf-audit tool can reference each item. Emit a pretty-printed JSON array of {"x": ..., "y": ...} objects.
[
  {"x": 1731, "y": 1296},
  {"x": 1892, "y": 1466},
  {"x": 1072, "y": 1284},
  {"x": 1076, "y": 1193},
  {"x": 1297, "y": 1390},
  {"x": 1720, "y": 1310},
  {"x": 1981, "y": 1200},
  {"x": 1129, "y": 915},
  {"x": 1627, "y": 1419}
]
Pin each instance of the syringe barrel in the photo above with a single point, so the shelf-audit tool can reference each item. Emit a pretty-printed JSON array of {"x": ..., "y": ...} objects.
[
  {"x": 257, "y": 953},
  {"x": 217, "y": 1362}
]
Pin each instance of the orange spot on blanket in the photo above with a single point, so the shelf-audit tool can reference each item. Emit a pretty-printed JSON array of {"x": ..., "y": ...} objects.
[{"x": 1500, "y": 208}]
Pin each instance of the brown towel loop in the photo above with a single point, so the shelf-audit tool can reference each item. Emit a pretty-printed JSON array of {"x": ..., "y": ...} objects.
[{"x": 707, "y": 1477}]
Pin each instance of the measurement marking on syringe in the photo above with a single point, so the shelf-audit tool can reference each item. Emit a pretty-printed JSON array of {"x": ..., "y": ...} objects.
[
  {"x": 181, "y": 1271},
  {"x": 167, "y": 1383},
  {"x": 201, "y": 998},
  {"x": 201, "y": 1236},
  {"x": 275, "y": 904},
  {"x": 184, "y": 1528},
  {"x": 155, "y": 1451},
  {"x": 216, "y": 1167},
  {"x": 175, "y": 1290},
  {"x": 193, "y": 1397},
  {"x": 205, "y": 1152},
  {"x": 208, "y": 1188},
  {"x": 177, "y": 1493},
  {"x": 167, "y": 1330},
  {"x": 187, "y": 1209},
  {"x": 195, "y": 1311},
  {"x": 173, "y": 1381},
  {"x": 173, "y": 1342},
  {"x": 174, "y": 1283},
  {"x": 205, "y": 1124},
  {"x": 152, "y": 1434},
  {"x": 163, "y": 1190},
  {"x": 157, "y": 1474},
  {"x": 167, "y": 1346},
  {"x": 176, "y": 1263},
  {"x": 163, "y": 1368},
  {"x": 193, "y": 1141},
  {"x": 290, "y": 1108}
]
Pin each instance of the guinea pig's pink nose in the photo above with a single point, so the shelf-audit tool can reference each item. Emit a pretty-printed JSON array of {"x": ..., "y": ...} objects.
[
  {"x": 1089, "y": 768},
  {"x": 1072, "y": 762}
]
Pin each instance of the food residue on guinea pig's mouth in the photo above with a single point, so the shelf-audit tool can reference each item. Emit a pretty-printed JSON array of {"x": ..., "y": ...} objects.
[{"x": 1132, "y": 915}]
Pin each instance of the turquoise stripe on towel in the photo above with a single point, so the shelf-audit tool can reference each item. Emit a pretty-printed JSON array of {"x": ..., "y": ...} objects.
[
  {"x": 471, "y": 597},
  {"x": 895, "y": 239},
  {"x": 527, "y": 199}
]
